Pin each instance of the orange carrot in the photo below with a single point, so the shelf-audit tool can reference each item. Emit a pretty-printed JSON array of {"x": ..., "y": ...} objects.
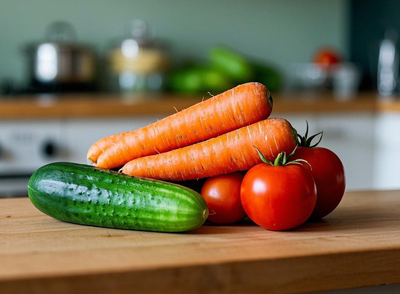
[
  {"x": 233, "y": 151},
  {"x": 232, "y": 109}
]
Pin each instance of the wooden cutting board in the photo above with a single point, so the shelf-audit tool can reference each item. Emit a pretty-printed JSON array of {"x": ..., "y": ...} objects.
[{"x": 357, "y": 245}]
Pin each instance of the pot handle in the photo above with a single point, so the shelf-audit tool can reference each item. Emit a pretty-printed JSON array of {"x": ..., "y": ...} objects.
[{"x": 60, "y": 31}]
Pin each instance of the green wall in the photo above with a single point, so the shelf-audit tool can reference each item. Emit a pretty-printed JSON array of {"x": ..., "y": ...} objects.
[{"x": 278, "y": 31}]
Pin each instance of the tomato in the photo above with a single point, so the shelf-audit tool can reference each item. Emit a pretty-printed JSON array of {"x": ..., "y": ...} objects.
[
  {"x": 278, "y": 197},
  {"x": 326, "y": 57},
  {"x": 222, "y": 194},
  {"x": 328, "y": 172}
]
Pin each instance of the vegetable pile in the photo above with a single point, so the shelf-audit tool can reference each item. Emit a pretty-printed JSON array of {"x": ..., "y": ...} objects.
[{"x": 244, "y": 164}]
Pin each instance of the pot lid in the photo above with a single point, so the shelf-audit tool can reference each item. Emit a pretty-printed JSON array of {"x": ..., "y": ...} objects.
[{"x": 60, "y": 34}]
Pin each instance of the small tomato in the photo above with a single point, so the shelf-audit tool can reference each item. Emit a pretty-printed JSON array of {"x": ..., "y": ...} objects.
[
  {"x": 222, "y": 195},
  {"x": 328, "y": 172},
  {"x": 326, "y": 57}
]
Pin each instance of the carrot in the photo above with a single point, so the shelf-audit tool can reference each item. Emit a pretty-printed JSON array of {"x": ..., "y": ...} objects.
[
  {"x": 233, "y": 151},
  {"x": 232, "y": 109}
]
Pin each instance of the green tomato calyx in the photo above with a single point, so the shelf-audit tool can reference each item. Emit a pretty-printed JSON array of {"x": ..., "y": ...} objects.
[
  {"x": 305, "y": 141},
  {"x": 281, "y": 159}
]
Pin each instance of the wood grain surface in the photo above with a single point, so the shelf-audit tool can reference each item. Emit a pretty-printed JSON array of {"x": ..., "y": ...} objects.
[
  {"x": 355, "y": 246},
  {"x": 108, "y": 105}
]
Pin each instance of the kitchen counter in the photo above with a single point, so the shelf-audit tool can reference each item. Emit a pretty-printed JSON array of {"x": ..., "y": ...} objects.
[
  {"x": 357, "y": 245},
  {"x": 108, "y": 105}
]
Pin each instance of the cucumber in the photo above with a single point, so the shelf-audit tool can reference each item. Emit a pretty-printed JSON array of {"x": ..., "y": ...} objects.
[
  {"x": 87, "y": 195},
  {"x": 231, "y": 63}
]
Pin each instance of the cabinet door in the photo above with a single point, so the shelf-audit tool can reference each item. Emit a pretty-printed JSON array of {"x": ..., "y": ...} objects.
[
  {"x": 351, "y": 137},
  {"x": 83, "y": 133},
  {"x": 387, "y": 158}
]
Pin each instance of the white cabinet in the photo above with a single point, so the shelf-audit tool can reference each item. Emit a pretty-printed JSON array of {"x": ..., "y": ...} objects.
[
  {"x": 350, "y": 136},
  {"x": 387, "y": 155},
  {"x": 367, "y": 143}
]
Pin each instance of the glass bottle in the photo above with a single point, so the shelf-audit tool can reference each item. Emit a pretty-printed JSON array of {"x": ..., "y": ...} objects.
[{"x": 137, "y": 63}]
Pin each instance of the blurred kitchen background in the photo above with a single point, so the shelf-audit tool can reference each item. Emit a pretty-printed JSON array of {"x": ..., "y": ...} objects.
[
  {"x": 278, "y": 33},
  {"x": 185, "y": 47}
]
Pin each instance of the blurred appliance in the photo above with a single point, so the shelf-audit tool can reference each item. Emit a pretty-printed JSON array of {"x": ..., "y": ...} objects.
[
  {"x": 59, "y": 63},
  {"x": 369, "y": 21},
  {"x": 137, "y": 62},
  {"x": 25, "y": 146},
  {"x": 388, "y": 64}
]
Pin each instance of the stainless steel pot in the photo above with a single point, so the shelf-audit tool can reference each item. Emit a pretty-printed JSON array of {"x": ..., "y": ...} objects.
[{"x": 60, "y": 63}]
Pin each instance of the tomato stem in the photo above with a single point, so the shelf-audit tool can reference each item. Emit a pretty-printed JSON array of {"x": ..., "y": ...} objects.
[
  {"x": 305, "y": 141},
  {"x": 281, "y": 159},
  {"x": 263, "y": 159}
]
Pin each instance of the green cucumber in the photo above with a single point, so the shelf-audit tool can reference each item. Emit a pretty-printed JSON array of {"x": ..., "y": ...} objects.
[
  {"x": 231, "y": 63},
  {"x": 87, "y": 195}
]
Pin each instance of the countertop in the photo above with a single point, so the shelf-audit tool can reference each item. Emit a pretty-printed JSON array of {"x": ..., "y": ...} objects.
[
  {"x": 355, "y": 246},
  {"x": 109, "y": 105}
]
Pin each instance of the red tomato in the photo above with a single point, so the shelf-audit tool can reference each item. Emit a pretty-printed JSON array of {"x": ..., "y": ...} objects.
[
  {"x": 222, "y": 194},
  {"x": 278, "y": 197},
  {"x": 326, "y": 57},
  {"x": 329, "y": 176}
]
